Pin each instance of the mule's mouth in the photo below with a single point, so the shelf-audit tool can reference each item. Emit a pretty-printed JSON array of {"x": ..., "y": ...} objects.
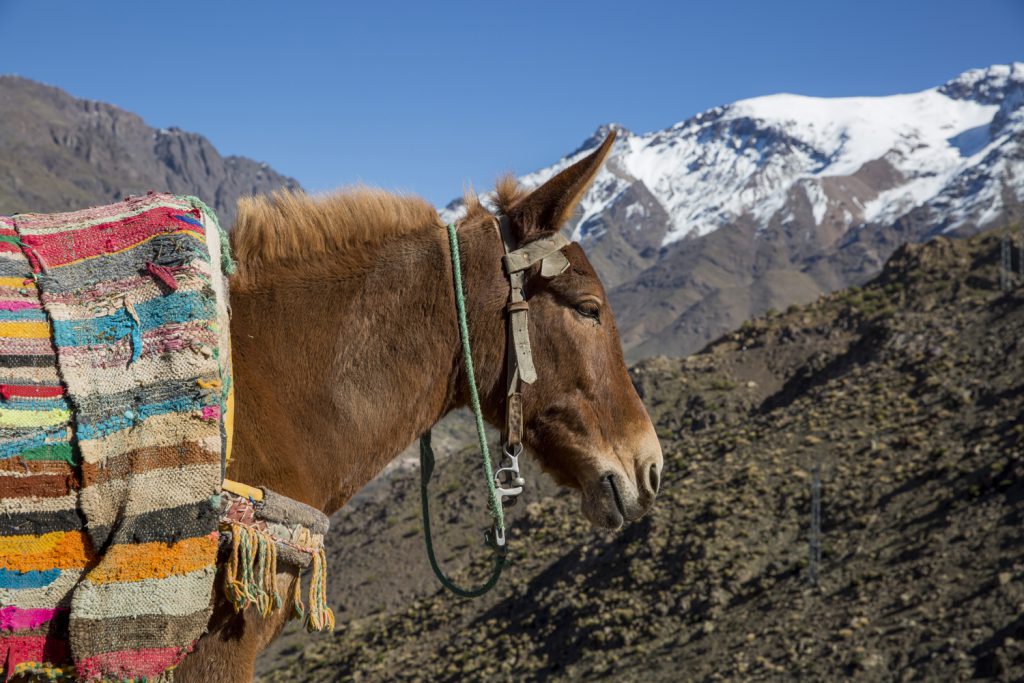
[
  {"x": 615, "y": 496},
  {"x": 605, "y": 503}
]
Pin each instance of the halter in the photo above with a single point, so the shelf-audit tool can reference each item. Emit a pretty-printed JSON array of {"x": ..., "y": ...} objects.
[{"x": 505, "y": 484}]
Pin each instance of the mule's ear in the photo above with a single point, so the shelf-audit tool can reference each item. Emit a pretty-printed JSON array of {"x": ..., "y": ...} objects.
[{"x": 544, "y": 210}]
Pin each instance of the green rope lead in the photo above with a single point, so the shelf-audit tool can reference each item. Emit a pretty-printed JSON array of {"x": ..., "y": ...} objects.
[{"x": 427, "y": 452}]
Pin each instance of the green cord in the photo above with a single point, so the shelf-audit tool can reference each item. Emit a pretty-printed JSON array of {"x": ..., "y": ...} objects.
[
  {"x": 474, "y": 397},
  {"x": 427, "y": 452}
]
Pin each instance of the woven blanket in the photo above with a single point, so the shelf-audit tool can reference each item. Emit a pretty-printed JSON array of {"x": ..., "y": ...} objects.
[{"x": 114, "y": 378}]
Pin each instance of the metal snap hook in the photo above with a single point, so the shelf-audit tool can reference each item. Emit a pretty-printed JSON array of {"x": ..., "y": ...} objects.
[{"x": 507, "y": 479}]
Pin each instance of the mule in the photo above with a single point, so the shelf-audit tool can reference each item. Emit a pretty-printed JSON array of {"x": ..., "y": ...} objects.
[{"x": 346, "y": 348}]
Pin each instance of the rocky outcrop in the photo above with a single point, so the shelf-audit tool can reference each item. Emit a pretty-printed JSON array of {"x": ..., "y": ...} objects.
[{"x": 59, "y": 153}]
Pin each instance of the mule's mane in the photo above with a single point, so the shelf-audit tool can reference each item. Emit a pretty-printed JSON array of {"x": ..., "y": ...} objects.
[{"x": 291, "y": 228}]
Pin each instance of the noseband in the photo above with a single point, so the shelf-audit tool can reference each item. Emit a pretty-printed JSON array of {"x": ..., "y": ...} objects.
[{"x": 505, "y": 484}]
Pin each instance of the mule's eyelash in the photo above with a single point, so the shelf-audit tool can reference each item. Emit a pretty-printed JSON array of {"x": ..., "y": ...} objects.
[{"x": 589, "y": 309}]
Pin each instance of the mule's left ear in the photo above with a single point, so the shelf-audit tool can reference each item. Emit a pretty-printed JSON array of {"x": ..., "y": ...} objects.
[{"x": 544, "y": 210}]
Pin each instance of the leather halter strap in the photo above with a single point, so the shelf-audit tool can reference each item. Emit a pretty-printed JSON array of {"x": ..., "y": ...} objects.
[{"x": 548, "y": 251}]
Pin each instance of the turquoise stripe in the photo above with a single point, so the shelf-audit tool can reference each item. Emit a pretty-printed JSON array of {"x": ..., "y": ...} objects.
[
  {"x": 23, "y": 315},
  {"x": 10, "y": 578},
  {"x": 177, "y": 307},
  {"x": 133, "y": 416}
]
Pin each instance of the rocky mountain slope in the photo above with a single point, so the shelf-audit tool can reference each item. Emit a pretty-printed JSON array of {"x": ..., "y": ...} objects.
[
  {"x": 59, "y": 153},
  {"x": 906, "y": 396},
  {"x": 773, "y": 200}
]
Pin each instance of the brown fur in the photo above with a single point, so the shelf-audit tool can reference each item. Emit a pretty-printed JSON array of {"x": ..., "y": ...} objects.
[{"x": 346, "y": 349}]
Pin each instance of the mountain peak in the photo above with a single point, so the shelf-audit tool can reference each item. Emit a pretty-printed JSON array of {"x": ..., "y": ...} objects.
[
  {"x": 988, "y": 86},
  {"x": 599, "y": 135}
]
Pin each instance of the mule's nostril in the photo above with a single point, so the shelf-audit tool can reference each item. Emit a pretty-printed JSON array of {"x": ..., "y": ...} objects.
[{"x": 652, "y": 476}]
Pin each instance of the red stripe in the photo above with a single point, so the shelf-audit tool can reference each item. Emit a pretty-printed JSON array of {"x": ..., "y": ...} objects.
[
  {"x": 60, "y": 248},
  {"x": 130, "y": 664},
  {"x": 17, "y": 649},
  {"x": 30, "y": 391}
]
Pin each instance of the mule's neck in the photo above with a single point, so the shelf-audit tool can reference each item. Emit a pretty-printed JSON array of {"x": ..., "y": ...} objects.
[{"x": 335, "y": 375}]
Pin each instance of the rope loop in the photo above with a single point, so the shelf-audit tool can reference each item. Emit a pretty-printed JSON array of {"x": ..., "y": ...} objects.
[{"x": 427, "y": 452}]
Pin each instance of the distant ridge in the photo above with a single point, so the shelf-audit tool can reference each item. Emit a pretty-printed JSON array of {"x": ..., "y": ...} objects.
[{"x": 59, "y": 153}]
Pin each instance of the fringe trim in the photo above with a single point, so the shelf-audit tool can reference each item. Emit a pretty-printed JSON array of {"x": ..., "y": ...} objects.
[
  {"x": 42, "y": 672},
  {"x": 320, "y": 616},
  {"x": 38, "y": 672},
  {"x": 249, "y": 579},
  {"x": 250, "y": 575}
]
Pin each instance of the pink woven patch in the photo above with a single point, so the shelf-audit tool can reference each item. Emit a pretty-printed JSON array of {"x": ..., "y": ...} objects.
[
  {"x": 15, "y": 619},
  {"x": 17, "y": 305},
  {"x": 211, "y": 413}
]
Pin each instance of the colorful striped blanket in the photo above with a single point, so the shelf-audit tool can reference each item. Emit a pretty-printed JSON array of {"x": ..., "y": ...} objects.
[{"x": 114, "y": 378}]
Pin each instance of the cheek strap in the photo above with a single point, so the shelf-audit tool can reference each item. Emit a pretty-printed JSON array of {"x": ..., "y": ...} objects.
[{"x": 548, "y": 251}]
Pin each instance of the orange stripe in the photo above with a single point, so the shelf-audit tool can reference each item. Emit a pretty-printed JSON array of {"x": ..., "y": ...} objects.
[
  {"x": 55, "y": 550},
  {"x": 155, "y": 560}
]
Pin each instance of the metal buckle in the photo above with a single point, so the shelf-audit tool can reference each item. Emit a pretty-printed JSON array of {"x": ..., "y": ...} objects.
[{"x": 507, "y": 478}]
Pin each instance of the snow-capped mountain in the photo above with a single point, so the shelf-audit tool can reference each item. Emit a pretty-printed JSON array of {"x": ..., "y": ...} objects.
[
  {"x": 772, "y": 200},
  {"x": 745, "y": 158}
]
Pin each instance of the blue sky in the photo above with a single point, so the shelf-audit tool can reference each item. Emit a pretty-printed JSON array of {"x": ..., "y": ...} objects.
[{"x": 428, "y": 97}]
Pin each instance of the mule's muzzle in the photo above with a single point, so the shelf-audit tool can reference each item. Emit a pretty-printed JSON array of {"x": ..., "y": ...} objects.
[{"x": 615, "y": 497}]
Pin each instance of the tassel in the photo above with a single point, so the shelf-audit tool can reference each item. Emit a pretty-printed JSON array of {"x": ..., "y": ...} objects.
[
  {"x": 164, "y": 274},
  {"x": 298, "y": 609},
  {"x": 320, "y": 616},
  {"x": 136, "y": 331},
  {"x": 234, "y": 587}
]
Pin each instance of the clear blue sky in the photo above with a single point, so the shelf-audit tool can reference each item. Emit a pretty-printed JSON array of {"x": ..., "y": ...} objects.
[{"x": 429, "y": 96}]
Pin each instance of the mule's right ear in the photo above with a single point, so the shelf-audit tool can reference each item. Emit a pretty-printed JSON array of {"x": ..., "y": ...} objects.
[{"x": 543, "y": 211}]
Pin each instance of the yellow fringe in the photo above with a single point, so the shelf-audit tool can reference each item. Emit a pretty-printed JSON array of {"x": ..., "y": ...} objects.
[
  {"x": 321, "y": 616},
  {"x": 44, "y": 671},
  {"x": 250, "y": 579}
]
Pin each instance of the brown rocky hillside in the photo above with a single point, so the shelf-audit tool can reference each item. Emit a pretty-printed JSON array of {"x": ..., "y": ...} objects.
[
  {"x": 60, "y": 153},
  {"x": 907, "y": 395}
]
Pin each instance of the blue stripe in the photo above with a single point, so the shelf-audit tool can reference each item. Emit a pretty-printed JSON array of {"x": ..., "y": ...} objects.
[
  {"x": 23, "y": 315},
  {"x": 189, "y": 220},
  {"x": 10, "y": 578},
  {"x": 132, "y": 417},
  {"x": 177, "y": 307}
]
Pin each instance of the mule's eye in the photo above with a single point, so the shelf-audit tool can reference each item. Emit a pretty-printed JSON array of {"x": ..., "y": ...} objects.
[{"x": 589, "y": 309}]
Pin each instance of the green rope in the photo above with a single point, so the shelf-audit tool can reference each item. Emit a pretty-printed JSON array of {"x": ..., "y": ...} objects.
[{"x": 427, "y": 452}]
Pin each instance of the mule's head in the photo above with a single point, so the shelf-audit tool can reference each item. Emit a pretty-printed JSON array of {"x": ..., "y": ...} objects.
[{"x": 583, "y": 419}]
